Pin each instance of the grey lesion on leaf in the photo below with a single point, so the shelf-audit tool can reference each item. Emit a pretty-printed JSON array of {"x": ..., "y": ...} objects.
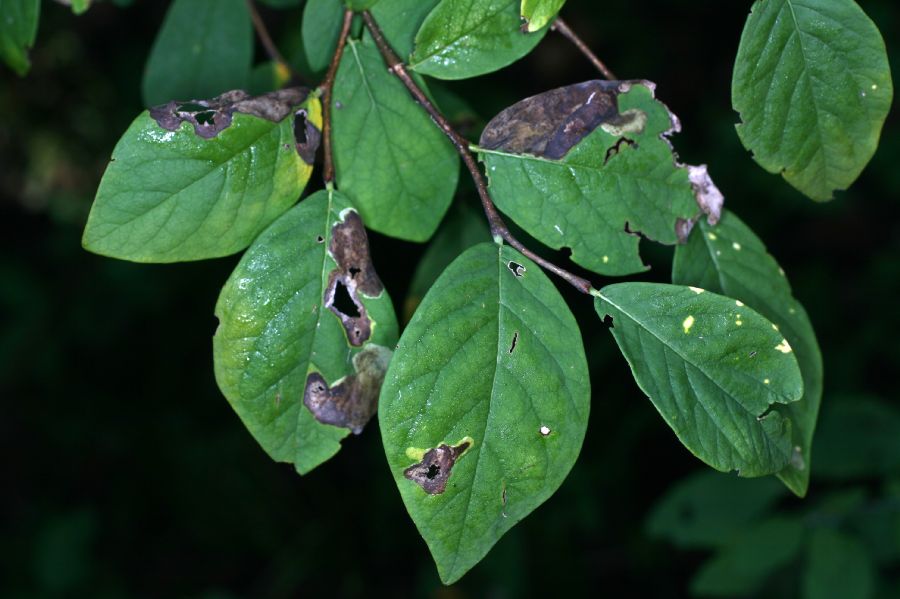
[
  {"x": 433, "y": 471},
  {"x": 550, "y": 124},
  {"x": 353, "y": 400},
  {"x": 354, "y": 276},
  {"x": 211, "y": 117}
]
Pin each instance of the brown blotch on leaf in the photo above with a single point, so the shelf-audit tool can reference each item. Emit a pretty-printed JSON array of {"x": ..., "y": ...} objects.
[
  {"x": 434, "y": 470},
  {"x": 353, "y": 400},
  {"x": 550, "y": 124},
  {"x": 307, "y": 136},
  {"x": 354, "y": 274},
  {"x": 210, "y": 117}
]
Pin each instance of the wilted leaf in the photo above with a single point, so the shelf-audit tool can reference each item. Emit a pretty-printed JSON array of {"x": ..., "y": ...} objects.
[
  {"x": 538, "y": 13},
  {"x": 713, "y": 368},
  {"x": 305, "y": 331},
  {"x": 390, "y": 158},
  {"x": 707, "y": 509},
  {"x": 201, "y": 179},
  {"x": 742, "y": 567},
  {"x": 730, "y": 259},
  {"x": 588, "y": 165},
  {"x": 466, "y": 38},
  {"x": 18, "y": 28},
  {"x": 204, "y": 48},
  {"x": 813, "y": 87},
  {"x": 485, "y": 404}
]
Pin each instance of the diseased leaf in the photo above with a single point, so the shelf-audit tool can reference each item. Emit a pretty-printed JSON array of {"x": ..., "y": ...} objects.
[
  {"x": 305, "y": 328},
  {"x": 538, "y": 13},
  {"x": 18, "y": 28},
  {"x": 713, "y": 368},
  {"x": 463, "y": 228},
  {"x": 205, "y": 47},
  {"x": 196, "y": 180},
  {"x": 390, "y": 158},
  {"x": 320, "y": 31},
  {"x": 813, "y": 87},
  {"x": 707, "y": 509},
  {"x": 588, "y": 165},
  {"x": 742, "y": 567},
  {"x": 837, "y": 567},
  {"x": 400, "y": 20},
  {"x": 466, "y": 38},
  {"x": 730, "y": 259},
  {"x": 485, "y": 404}
]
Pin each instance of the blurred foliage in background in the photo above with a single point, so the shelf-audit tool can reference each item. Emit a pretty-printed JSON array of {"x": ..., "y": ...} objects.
[{"x": 128, "y": 475}]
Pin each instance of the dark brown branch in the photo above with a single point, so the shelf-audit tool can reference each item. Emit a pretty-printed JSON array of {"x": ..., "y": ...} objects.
[
  {"x": 498, "y": 227},
  {"x": 263, "y": 33},
  {"x": 561, "y": 26},
  {"x": 327, "y": 88}
]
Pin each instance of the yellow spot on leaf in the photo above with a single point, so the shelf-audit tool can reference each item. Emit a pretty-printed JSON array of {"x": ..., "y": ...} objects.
[
  {"x": 712, "y": 236},
  {"x": 696, "y": 290},
  {"x": 688, "y": 323},
  {"x": 739, "y": 322},
  {"x": 605, "y": 259},
  {"x": 766, "y": 382},
  {"x": 414, "y": 453},
  {"x": 874, "y": 87},
  {"x": 739, "y": 303},
  {"x": 736, "y": 246},
  {"x": 784, "y": 347},
  {"x": 775, "y": 326}
]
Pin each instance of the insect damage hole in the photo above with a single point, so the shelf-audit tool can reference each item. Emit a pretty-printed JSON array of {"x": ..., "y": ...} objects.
[
  {"x": 300, "y": 127},
  {"x": 343, "y": 303},
  {"x": 436, "y": 466},
  {"x": 515, "y": 268},
  {"x": 515, "y": 341}
]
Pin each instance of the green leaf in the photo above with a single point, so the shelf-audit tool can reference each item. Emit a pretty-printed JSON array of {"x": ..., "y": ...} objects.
[
  {"x": 360, "y": 4},
  {"x": 485, "y": 404},
  {"x": 713, "y": 368},
  {"x": 463, "y": 228},
  {"x": 588, "y": 165},
  {"x": 205, "y": 47},
  {"x": 18, "y": 28},
  {"x": 285, "y": 358},
  {"x": 281, "y": 3},
  {"x": 320, "y": 31},
  {"x": 730, "y": 259},
  {"x": 743, "y": 567},
  {"x": 201, "y": 180},
  {"x": 538, "y": 13},
  {"x": 813, "y": 87},
  {"x": 707, "y": 509},
  {"x": 390, "y": 158},
  {"x": 837, "y": 567},
  {"x": 858, "y": 438},
  {"x": 400, "y": 20},
  {"x": 466, "y": 38}
]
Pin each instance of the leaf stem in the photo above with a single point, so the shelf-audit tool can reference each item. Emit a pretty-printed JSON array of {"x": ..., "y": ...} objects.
[
  {"x": 263, "y": 33},
  {"x": 561, "y": 27},
  {"x": 327, "y": 87},
  {"x": 499, "y": 230}
]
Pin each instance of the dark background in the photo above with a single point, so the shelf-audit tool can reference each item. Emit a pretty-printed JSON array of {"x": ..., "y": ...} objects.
[{"x": 125, "y": 472}]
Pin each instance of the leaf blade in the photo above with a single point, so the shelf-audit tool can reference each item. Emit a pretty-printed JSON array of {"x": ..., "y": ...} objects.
[
  {"x": 507, "y": 362},
  {"x": 813, "y": 87},
  {"x": 18, "y": 29},
  {"x": 538, "y": 13}
]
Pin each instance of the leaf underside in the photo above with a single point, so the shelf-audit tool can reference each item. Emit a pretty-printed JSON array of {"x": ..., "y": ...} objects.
[
  {"x": 813, "y": 87},
  {"x": 712, "y": 367},
  {"x": 491, "y": 375}
]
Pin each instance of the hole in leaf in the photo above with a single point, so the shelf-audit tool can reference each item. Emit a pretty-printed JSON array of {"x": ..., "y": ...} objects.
[
  {"x": 320, "y": 239},
  {"x": 192, "y": 107},
  {"x": 614, "y": 149},
  {"x": 516, "y": 268},
  {"x": 607, "y": 321},
  {"x": 354, "y": 271},
  {"x": 300, "y": 127},
  {"x": 343, "y": 303},
  {"x": 433, "y": 471},
  {"x": 515, "y": 340}
]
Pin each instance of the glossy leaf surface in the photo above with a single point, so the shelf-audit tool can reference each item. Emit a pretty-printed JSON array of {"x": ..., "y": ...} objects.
[
  {"x": 538, "y": 13},
  {"x": 466, "y": 38},
  {"x": 390, "y": 158},
  {"x": 813, "y": 87},
  {"x": 280, "y": 328},
  {"x": 730, "y": 259},
  {"x": 712, "y": 367},
  {"x": 189, "y": 192},
  {"x": 491, "y": 373}
]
